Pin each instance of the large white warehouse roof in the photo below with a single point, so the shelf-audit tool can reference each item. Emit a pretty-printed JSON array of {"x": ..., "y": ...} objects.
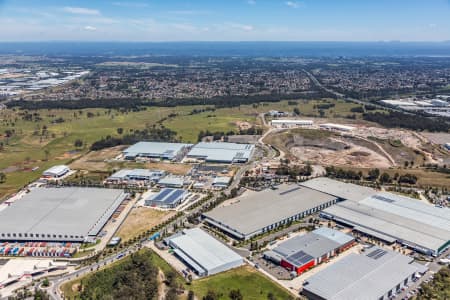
[
  {"x": 222, "y": 152},
  {"x": 362, "y": 276},
  {"x": 204, "y": 252}
]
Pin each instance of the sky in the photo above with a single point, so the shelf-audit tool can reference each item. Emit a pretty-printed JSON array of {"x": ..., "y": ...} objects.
[{"x": 225, "y": 20}]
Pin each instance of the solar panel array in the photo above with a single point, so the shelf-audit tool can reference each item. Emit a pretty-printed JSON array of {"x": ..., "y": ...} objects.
[
  {"x": 300, "y": 258},
  {"x": 174, "y": 196},
  {"x": 162, "y": 194},
  {"x": 167, "y": 196},
  {"x": 376, "y": 254}
]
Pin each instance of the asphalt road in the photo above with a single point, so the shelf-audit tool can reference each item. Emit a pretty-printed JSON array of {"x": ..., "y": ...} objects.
[
  {"x": 433, "y": 268},
  {"x": 340, "y": 95}
]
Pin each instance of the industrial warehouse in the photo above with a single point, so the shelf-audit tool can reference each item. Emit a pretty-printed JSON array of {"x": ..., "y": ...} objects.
[
  {"x": 167, "y": 198},
  {"x": 70, "y": 214},
  {"x": 377, "y": 274},
  {"x": 156, "y": 150},
  {"x": 56, "y": 172},
  {"x": 388, "y": 217},
  {"x": 127, "y": 175},
  {"x": 218, "y": 152},
  {"x": 303, "y": 252},
  {"x": 284, "y": 123},
  {"x": 257, "y": 212},
  {"x": 204, "y": 254}
]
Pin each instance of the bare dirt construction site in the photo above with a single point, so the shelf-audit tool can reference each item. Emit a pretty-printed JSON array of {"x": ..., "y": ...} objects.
[{"x": 366, "y": 147}]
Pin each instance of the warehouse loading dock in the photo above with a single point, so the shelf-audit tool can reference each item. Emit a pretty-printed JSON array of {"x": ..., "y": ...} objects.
[
  {"x": 70, "y": 214},
  {"x": 257, "y": 212}
]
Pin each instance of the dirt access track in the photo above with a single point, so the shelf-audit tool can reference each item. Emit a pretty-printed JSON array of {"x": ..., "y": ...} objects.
[
  {"x": 328, "y": 148},
  {"x": 340, "y": 153}
]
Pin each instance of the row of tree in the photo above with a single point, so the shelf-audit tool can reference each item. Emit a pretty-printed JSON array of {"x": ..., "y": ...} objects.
[
  {"x": 372, "y": 175},
  {"x": 409, "y": 121},
  {"x": 148, "y": 134},
  {"x": 124, "y": 103}
]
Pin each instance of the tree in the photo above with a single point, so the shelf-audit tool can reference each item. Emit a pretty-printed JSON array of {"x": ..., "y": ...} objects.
[
  {"x": 2, "y": 177},
  {"x": 385, "y": 178},
  {"x": 296, "y": 111},
  {"x": 191, "y": 295},
  {"x": 210, "y": 295},
  {"x": 78, "y": 143},
  {"x": 120, "y": 130},
  {"x": 235, "y": 295},
  {"x": 270, "y": 296},
  {"x": 47, "y": 154},
  {"x": 45, "y": 282},
  {"x": 373, "y": 174}
]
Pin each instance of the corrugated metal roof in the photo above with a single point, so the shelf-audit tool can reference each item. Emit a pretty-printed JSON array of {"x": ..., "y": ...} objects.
[
  {"x": 339, "y": 189},
  {"x": 222, "y": 180},
  {"x": 172, "y": 181},
  {"x": 417, "y": 223},
  {"x": 65, "y": 211},
  {"x": 312, "y": 245},
  {"x": 222, "y": 152},
  {"x": 334, "y": 235},
  {"x": 358, "y": 276},
  {"x": 256, "y": 210},
  {"x": 130, "y": 173},
  {"x": 205, "y": 250},
  {"x": 155, "y": 149},
  {"x": 56, "y": 170}
]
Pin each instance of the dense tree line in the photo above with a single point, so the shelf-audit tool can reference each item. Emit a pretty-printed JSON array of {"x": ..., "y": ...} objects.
[
  {"x": 414, "y": 122},
  {"x": 157, "y": 134},
  {"x": 438, "y": 288},
  {"x": 134, "y": 278},
  {"x": 135, "y": 104},
  {"x": 218, "y": 135},
  {"x": 294, "y": 171},
  {"x": 343, "y": 174}
]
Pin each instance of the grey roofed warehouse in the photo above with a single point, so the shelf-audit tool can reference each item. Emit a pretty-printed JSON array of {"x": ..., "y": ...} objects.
[
  {"x": 202, "y": 252},
  {"x": 59, "y": 214},
  {"x": 257, "y": 212},
  {"x": 388, "y": 216},
  {"x": 136, "y": 174},
  {"x": 222, "y": 152},
  {"x": 167, "y": 198},
  {"x": 159, "y": 150},
  {"x": 56, "y": 171},
  {"x": 377, "y": 274}
]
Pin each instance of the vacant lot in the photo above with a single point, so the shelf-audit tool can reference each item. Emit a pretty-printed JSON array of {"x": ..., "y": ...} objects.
[
  {"x": 327, "y": 148},
  {"x": 252, "y": 285},
  {"x": 96, "y": 160},
  {"x": 141, "y": 219}
]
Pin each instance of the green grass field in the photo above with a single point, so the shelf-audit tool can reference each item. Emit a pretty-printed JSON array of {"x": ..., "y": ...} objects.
[
  {"x": 252, "y": 285},
  {"x": 27, "y": 148},
  {"x": 32, "y": 147}
]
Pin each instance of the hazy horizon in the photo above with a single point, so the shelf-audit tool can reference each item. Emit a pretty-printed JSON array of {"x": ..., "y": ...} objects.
[{"x": 233, "y": 20}]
